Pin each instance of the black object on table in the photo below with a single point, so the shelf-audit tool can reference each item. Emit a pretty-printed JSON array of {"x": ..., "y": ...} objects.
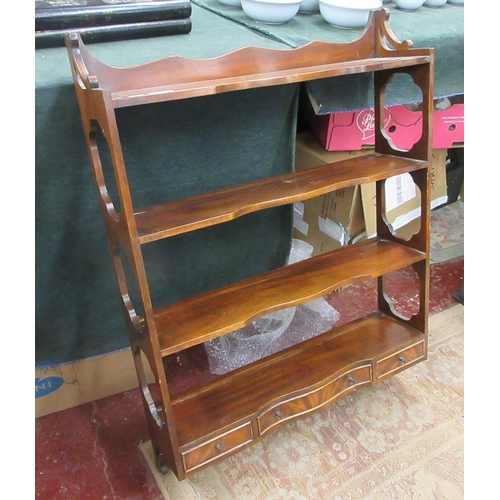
[{"x": 99, "y": 20}]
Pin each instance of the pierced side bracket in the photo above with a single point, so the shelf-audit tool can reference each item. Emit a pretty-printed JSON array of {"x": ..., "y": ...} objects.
[
  {"x": 386, "y": 39},
  {"x": 89, "y": 81}
]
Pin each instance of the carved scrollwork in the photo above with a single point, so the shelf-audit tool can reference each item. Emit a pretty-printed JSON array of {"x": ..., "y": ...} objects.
[{"x": 387, "y": 39}]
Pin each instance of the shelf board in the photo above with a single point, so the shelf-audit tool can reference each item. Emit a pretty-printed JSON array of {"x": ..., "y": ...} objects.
[
  {"x": 204, "y": 317},
  {"x": 241, "y": 395},
  {"x": 181, "y": 216}
]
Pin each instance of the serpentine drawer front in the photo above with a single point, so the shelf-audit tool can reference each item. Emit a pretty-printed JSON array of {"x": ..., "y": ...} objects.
[
  {"x": 315, "y": 399},
  {"x": 401, "y": 360},
  {"x": 218, "y": 447}
]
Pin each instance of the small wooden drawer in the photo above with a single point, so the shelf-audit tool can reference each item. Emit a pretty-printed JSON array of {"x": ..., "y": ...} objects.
[
  {"x": 400, "y": 360},
  {"x": 314, "y": 399},
  {"x": 217, "y": 447}
]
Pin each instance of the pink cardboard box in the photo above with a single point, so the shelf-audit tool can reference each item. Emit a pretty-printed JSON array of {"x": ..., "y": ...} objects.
[{"x": 352, "y": 130}]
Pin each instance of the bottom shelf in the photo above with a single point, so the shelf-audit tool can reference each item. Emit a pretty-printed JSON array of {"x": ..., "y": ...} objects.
[{"x": 236, "y": 409}]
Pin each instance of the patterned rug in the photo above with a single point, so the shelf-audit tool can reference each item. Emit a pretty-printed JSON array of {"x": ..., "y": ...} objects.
[
  {"x": 447, "y": 232},
  {"x": 402, "y": 439}
]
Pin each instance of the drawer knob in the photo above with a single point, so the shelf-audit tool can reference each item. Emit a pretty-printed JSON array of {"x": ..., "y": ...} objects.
[
  {"x": 277, "y": 415},
  {"x": 219, "y": 446},
  {"x": 402, "y": 360},
  {"x": 351, "y": 380}
]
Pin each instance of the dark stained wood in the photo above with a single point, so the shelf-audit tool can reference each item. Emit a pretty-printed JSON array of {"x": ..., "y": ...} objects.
[
  {"x": 388, "y": 366},
  {"x": 207, "y": 423},
  {"x": 198, "y": 319},
  {"x": 223, "y": 445},
  {"x": 305, "y": 401},
  {"x": 169, "y": 219}
]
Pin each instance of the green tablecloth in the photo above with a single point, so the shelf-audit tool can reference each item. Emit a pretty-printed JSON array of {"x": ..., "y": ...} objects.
[
  {"x": 441, "y": 28},
  {"x": 172, "y": 150}
]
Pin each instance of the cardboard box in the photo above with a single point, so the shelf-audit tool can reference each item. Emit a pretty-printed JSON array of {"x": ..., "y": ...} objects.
[
  {"x": 403, "y": 198},
  {"x": 353, "y": 130},
  {"x": 335, "y": 219},
  {"x": 330, "y": 221},
  {"x": 59, "y": 387}
]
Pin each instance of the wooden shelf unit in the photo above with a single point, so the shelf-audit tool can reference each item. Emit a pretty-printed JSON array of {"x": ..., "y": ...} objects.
[{"x": 206, "y": 423}]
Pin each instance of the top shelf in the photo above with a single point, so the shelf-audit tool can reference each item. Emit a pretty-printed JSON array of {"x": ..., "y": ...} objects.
[
  {"x": 175, "y": 77},
  {"x": 221, "y": 85}
]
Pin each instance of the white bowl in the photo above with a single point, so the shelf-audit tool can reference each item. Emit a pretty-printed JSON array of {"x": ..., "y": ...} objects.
[
  {"x": 271, "y": 11},
  {"x": 231, "y": 3},
  {"x": 348, "y": 13},
  {"x": 409, "y": 5},
  {"x": 434, "y": 3},
  {"x": 456, "y": 2},
  {"x": 309, "y": 6}
]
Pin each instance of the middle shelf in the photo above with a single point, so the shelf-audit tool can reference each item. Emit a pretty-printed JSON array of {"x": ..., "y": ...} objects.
[
  {"x": 180, "y": 216},
  {"x": 198, "y": 319}
]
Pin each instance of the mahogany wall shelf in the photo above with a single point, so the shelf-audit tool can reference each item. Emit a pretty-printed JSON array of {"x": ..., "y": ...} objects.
[{"x": 205, "y": 423}]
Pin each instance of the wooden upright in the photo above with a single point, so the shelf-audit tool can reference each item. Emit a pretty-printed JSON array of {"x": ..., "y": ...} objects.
[{"x": 207, "y": 423}]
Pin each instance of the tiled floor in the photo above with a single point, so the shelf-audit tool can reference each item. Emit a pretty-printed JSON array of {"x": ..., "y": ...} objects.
[{"x": 91, "y": 451}]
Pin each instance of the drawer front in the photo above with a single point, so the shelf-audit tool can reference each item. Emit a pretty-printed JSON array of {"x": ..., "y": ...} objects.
[
  {"x": 400, "y": 360},
  {"x": 217, "y": 447},
  {"x": 315, "y": 399}
]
